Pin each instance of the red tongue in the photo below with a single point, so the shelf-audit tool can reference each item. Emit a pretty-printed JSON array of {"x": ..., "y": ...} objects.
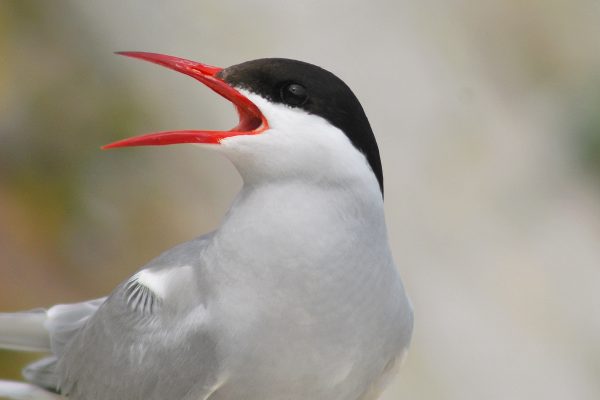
[{"x": 252, "y": 121}]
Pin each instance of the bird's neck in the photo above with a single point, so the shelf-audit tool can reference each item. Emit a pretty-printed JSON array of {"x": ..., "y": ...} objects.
[{"x": 294, "y": 222}]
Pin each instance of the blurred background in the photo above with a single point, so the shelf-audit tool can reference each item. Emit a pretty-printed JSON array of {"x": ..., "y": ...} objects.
[{"x": 488, "y": 121}]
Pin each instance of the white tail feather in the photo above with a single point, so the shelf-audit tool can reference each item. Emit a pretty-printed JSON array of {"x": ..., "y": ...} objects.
[
  {"x": 25, "y": 391},
  {"x": 24, "y": 331}
]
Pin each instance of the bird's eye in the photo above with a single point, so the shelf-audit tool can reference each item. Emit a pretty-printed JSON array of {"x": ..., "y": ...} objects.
[{"x": 294, "y": 94}]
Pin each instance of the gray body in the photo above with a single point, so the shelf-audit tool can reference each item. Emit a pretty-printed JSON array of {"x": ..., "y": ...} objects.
[{"x": 263, "y": 320}]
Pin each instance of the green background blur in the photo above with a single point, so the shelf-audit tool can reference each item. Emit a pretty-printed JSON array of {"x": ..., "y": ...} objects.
[{"x": 488, "y": 120}]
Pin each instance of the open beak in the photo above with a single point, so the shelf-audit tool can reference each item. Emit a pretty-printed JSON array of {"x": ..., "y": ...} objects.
[{"x": 252, "y": 121}]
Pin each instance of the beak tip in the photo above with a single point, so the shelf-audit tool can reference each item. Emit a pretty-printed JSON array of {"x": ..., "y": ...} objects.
[
  {"x": 127, "y": 53},
  {"x": 112, "y": 145}
]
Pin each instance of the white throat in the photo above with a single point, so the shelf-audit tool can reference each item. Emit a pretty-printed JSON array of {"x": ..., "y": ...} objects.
[{"x": 301, "y": 147}]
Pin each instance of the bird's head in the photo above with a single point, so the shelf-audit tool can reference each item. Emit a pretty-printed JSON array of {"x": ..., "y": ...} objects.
[{"x": 296, "y": 121}]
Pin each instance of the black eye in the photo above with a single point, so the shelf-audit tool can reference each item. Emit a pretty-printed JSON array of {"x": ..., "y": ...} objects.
[{"x": 294, "y": 94}]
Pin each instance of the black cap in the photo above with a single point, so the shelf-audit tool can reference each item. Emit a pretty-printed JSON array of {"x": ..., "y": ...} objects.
[{"x": 313, "y": 89}]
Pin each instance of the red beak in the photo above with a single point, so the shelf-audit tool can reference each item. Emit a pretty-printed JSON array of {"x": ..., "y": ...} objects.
[{"x": 252, "y": 121}]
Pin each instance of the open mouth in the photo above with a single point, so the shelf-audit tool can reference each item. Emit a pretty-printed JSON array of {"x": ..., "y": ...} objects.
[{"x": 251, "y": 120}]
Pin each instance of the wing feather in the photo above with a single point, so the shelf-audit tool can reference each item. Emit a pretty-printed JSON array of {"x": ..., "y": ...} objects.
[{"x": 141, "y": 298}]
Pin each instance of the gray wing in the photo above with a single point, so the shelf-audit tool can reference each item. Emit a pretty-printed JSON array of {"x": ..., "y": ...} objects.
[{"x": 147, "y": 341}]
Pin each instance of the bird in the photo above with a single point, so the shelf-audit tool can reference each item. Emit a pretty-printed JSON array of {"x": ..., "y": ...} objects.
[{"x": 294, "y": 296}]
